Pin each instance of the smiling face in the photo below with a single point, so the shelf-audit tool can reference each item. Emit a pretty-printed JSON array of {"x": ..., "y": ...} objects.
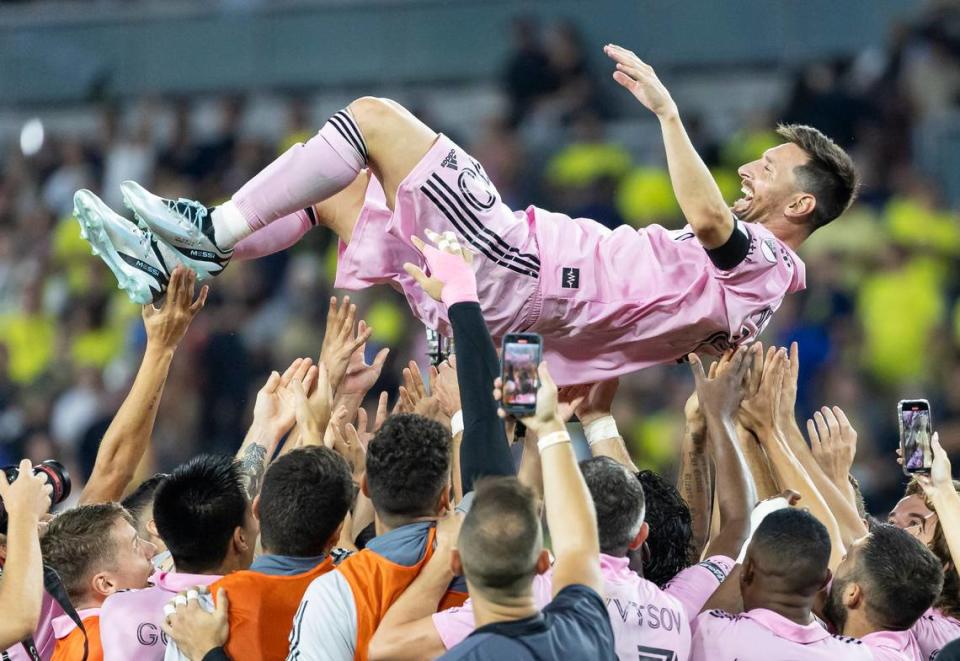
[
  {"x": 769, "y": 184},
  {"x": 913, "y": 515}
]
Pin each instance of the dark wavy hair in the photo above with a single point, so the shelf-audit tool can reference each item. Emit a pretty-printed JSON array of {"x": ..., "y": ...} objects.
[
  {"x": 949, "y": 600},
  {"x": 671, "y": 529}
]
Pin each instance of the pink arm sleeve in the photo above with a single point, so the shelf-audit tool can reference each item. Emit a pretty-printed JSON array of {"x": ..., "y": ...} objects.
[
  {"x": 278, "y": 235},
  {"x": 459, "y": 281}
]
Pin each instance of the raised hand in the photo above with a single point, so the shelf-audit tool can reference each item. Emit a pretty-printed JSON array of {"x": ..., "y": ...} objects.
[
  {"x": 360, "y": 377},
  {"x": 28, "y": 495},
  {"x": 570, "y": 398},
  {"x": 367, "y": 433},
  {"x": 167, "y": 325},
  {"x": 940, "y": 478},
  {"x": 788, "y": 389},
  {"x": 833, "y": 441},
  {"x": 340, "y": 342},
  {"x": 274, "y": 408},
  {"x": 598, "y": 401},
  {"x": 451, "y": 278},
  {"x": 758, "y": 412},
  {"x": 312, "y": 413},
  {"x": 546, "y": 418},
  {"x": 445, "y": 387},
  {"x": 721, "y": 396},
  {"x": 639, "y": 78}
]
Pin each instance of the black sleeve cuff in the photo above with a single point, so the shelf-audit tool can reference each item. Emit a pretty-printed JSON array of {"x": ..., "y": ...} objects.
[
  {"x": 732, "y": 253},
  {"x": 216, "y": 654}
]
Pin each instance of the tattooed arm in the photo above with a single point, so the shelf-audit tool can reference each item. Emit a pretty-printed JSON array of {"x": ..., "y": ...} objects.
[
  {"x": 273, "y": 417},
  {"x": 694, "y": 479},
  {"x": 128, "y": 436}
]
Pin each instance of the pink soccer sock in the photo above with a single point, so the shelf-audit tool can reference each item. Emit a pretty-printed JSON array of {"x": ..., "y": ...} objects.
[
  {"x": 278, "y": 235},
  {"x": 305, "y": 174}
]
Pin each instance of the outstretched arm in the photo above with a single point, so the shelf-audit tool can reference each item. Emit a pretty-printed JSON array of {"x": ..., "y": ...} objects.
[
  {"x": 128, "y": 435},
  {"x": 698, "y": 194},
  {"x": 693, "y": 482},
  {"x": 720, "y": 399},
  {"x": 484, "y": 449}
]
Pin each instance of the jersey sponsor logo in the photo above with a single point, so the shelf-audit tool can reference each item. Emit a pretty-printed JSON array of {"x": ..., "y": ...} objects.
[
  {"x": 655, "y": 654},
  {"x": 570, "y": 278},
  {"x": 450, "y": 160}
]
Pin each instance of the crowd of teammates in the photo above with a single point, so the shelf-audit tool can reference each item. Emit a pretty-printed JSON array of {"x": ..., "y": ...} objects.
[{"x": 419, "y": 534}]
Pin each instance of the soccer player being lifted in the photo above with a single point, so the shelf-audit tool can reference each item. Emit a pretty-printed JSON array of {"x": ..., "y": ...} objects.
[{"x": 607, "y": 302}]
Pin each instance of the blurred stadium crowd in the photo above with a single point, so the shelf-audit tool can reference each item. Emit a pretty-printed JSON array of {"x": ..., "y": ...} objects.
[{"x": 879, "y": 321}]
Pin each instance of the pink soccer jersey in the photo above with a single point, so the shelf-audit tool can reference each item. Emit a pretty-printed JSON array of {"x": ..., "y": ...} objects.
[
  {"x": 617, "y": 301},
  {"x": 130, "y": 620},
  {"x": 893, "y": 646},
  {"x": 43, "y": 637},
  {"x": 762, "y": 635},
  {"x": 934, "y": 630},
  {"x": 646, "y": 620},
  {"x": 694, "y": 585}
]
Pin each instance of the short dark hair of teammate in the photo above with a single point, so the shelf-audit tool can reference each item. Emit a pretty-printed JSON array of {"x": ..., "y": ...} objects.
[
  {"x": 408, "y": 468},
  {"x": 829, "y": 175},
  {"x": 618, "y": 501},
  {"x": 85, "y": 541},
  {"x": 140, "y": 502},
  {"x": 200, "y": 510},
  {"x": 789, "y": 554},
  {"x": 670, "y": 549},
  {"x": 305, "y": 496},
  {"x": 889, "y": 577},
  {"x": 500, "y": 548}
]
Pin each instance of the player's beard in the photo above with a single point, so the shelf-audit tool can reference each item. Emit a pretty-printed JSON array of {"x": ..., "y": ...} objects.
[{"x": 833, "y": 609}]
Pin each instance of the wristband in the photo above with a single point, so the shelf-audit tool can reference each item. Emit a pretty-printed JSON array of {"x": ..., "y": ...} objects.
[
  {"x": 456, "y": 423},
  {"x": 601, "y": 429},
  {"x": 555, "y": 438}
]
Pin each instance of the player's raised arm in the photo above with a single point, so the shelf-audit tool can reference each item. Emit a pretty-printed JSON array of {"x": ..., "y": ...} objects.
[{"x": 697, "y": 192}]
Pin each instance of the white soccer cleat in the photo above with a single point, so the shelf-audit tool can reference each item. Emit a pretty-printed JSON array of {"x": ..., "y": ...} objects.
[
  {"x": 184, "y": 224},
  {"x": 141, "y": 264}
]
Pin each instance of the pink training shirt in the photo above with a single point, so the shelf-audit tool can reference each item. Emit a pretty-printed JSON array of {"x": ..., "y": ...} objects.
[
  {"x": 762, "y": 635},
  {"x": 642, "y": 615},
  {"x": 43, "y": 637},
  {"x": 130, "y": 620},
  {"x": 649, "y": 296},
  {"x": 933, "y": 630},
  {"x": 893, "y": 646}
]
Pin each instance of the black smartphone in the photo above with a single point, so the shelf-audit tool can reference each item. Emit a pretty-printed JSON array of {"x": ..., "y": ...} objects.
[
  {"x": 916, "y": 432},
  {"x": 522, "y": 353}
]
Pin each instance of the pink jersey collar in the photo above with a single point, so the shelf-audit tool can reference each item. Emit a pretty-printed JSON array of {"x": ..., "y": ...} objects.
[
  {"x": 900, "y": 641},
  {"x": 787, "y": 629},
  {"x": 615, "y": 568},
  {"x": 936, "y": 614},
  {"x": 63, "y": 625},
  {"x": 172, "y": 581}
]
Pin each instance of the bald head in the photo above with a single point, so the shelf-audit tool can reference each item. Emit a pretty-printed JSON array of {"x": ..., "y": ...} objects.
[{"x": 501, "y": 540}]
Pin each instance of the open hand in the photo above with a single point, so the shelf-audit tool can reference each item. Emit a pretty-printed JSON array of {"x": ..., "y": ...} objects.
[
  {"x": 833, "y": 442},
  {"x": 275, "y": 405},
  {"x": 340, "y": 342},
  {"x": 167, "y": 325},
  {"x": 758, "y": 412},
  {"x": 721, "y": 396},
  {"x": 640, "y": 79},
  {"x": 940, "y": 478},
  {"x": 599, "y": 401},
  {"x": 360, "y": 377},
  {"x": 451, "y": 278}
]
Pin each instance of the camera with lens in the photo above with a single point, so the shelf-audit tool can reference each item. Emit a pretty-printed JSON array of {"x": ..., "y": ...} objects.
[{"x": 54, "y": 472}]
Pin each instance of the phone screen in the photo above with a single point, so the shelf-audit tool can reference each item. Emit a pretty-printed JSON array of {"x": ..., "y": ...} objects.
[
  {"x": 916, "y": 431},
  {"x": 521, "y": 357}
]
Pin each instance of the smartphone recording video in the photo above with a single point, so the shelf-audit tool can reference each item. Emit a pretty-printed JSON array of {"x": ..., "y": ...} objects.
[
  {"x": 521, "y": 356},
  {"x": 916, "y": 431}
]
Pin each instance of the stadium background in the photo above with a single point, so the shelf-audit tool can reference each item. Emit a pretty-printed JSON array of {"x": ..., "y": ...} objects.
[{"x": 192, "y": 98}]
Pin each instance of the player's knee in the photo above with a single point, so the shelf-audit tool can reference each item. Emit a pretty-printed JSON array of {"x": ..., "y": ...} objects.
[{"x": 375, "y": 115}]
